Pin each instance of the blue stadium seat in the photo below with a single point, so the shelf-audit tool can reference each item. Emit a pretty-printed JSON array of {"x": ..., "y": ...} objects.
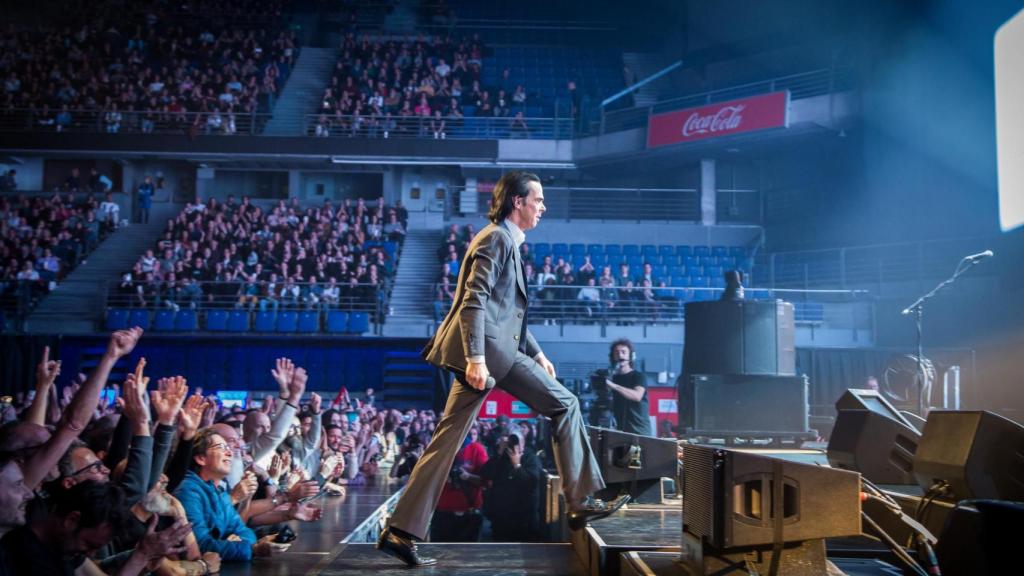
[
  {"x": 649, "y": 250},
  {"x": 287, "y": 321},
  {"x": 186, "y": 321},
  {"x": 577, "y": 249},
  {"x": 700, "y": 281},
  {"x": 684, "y": 251},
  {"x": 717, "y": 282},
  {"x": 694, "y": 271},
  {"x": 714, "y": 271},
  {"x": 680, "y": 281},
  {"x": 217, "y": 320},
  {"x": 238, "y": 321},
  {"x": 541, "y": 249},
  {"x": 337, "y": 321},
  {"x": 630, "y": 250},
  {"x": 560, "y": 249},
  {"x": 636, "y": 262},
  {"x": 727, "y": 262},
  {"x": 719, "y": 250},
  {"x": 666, "y": 250},
  {"x": 264, "y": 322},
  {"x": 613, "y": 250},
  {"x": 671, "y": 260},
  {"x": 598, "y": 260},
  {"x": 163, "y": 320},
  {"x": 359, "y": 322},
  {"x": 139, "y": 318},
  {"x": 677, "y": 270},
  {"x": 702, "y": 251},
  {"x": 577, "y": 261},
  {"x": 595, "y": 249},
  {"x": 117, "y": 318},
  {"x": 309, "y": 322},
  {"x": 737, "y": 251}
]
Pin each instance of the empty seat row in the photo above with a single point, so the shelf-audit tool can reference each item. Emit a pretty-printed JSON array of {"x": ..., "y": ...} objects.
[
  {"x": 562, "y": 249},
  {"x": 304, "y": 322}
]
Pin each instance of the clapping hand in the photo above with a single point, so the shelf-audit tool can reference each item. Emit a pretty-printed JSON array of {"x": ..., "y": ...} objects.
[{"x": 282, "y": 373}]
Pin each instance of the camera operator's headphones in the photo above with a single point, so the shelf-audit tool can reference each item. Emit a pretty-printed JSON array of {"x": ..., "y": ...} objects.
[{"x": 622, "y": 342}]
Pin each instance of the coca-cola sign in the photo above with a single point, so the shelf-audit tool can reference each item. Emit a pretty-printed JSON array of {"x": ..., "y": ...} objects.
[{"x": 722, "y": 119}]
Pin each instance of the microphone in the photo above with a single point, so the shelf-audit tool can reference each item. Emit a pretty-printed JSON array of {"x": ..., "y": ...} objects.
[{"x": 979, "y": 256}]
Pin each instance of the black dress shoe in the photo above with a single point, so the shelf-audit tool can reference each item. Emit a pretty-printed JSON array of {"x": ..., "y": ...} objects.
[
  {"x": 594, "y": 509},
  {"x": 402, "y": 548}
]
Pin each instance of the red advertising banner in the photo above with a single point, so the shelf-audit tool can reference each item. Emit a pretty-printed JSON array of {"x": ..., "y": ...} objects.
[{"x": 721, "y": 119}]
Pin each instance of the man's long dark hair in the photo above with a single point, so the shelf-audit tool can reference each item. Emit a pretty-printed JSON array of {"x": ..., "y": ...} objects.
[{"x": 511, "y": 186}]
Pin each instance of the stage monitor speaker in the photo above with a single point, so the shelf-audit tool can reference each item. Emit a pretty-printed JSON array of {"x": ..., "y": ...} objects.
[
  {"x": 980, "y": 537},
  {"x": 746, "y": 404},
  {"x": 978, "y": 454},
  {"x": 740, "y": 337},
  {"x": 878, "y": 447},
  {"x": 626, "y": 457},
  {"x": 858, "y": 399},
  {"x": 731, "y": 498}
]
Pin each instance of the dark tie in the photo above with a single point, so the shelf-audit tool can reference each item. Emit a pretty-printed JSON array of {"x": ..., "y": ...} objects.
[{"x": 526, "y": 309}]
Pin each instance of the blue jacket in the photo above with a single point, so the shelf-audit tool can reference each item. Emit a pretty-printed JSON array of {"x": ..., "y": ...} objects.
[{"x": 213, "y": 519}]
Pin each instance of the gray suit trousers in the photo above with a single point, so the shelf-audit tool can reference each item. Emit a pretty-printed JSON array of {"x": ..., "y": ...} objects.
[{"x": 580, "y": 472}]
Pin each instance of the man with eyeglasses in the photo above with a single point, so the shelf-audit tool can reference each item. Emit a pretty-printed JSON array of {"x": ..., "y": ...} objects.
[{"x": 215, "y": 522}]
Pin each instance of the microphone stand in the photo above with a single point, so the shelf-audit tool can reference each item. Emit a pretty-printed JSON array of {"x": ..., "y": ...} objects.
[{"x": 917, "y": 308}]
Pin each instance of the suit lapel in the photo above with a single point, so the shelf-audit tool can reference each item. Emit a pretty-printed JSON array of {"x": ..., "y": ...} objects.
[{"x": 517, "y": 262}]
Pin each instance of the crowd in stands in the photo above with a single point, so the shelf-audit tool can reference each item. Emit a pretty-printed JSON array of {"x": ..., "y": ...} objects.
[
  {"x": 239, "y": 255},
  {"x": 42, "y": 238},
  {"x": 416, "y": 87},
  {"x": 159, "y": 66},
  {"x": 559, "y": 290},
  {"x": 158, "y": 477}
]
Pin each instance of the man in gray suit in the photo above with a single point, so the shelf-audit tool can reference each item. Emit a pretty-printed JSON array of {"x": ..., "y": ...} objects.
[{"x": 485, "y": 342}]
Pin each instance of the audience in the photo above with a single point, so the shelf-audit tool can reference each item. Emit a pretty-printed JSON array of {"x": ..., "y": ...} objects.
[
  {"x": 147, "y": 67},
  {"x": 239, "y": 255}
]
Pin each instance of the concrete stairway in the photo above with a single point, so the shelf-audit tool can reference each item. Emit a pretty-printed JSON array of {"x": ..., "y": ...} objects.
[
  {"x": 643, "y": 65},
  {"x": 412, "y": 313},
  {"x": 77, "y": 305},
  {"x": 302, "y": 92}
]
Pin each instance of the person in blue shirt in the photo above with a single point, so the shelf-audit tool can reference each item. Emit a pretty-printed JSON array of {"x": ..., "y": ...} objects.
[
  {"x": 146, "y": 191},
  {"x": 207, "y": 502}
]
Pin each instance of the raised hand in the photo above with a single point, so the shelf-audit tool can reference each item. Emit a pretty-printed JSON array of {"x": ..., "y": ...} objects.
[
  {"x": 167, "y": 542},
  {"x": 282, "y": 373},
  {"x": 245, "y": 488},
  {"x": 314, "y": 402},
  {"x": 168, "y": 398},
  {"x": 46, "y": 372},
  {"x": 191, "y": 416},
  {"x": 297, "y": 386},
  {"x": 134, "y": 393},
  {"x": 275, "y": 468},
  {"x": 123, "y": 342},
  {"x": 210, "y": 412}
]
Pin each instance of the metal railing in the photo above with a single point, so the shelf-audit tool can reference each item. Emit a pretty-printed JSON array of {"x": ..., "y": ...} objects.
[
  {"x": 574, "y": 304},
  {"x": 639, "y": 204},
  {"x": 443, "y": 128},
  {"x": 803, "y": 85},
  {"x": 251, "y": 298},
  {"x": 867, "y": 266},
  {"x": 82, "y": 121}
]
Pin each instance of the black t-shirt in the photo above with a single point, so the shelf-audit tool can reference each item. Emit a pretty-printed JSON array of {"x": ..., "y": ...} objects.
[
  {"x": 28, "y": 556},
  {"x": 631, "y": 416}
]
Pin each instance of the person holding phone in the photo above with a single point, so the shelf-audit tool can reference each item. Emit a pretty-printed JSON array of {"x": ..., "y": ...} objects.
[{"x": 512, "y": 503}]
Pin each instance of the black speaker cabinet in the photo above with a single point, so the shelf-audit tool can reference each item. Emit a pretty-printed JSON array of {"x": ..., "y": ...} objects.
[
  {"x": 620, "y": 462},
  {"x": 878, "y": 447},
  {"x": 740, "y": 337},
  {"x": 731, "y": 498},
  {"x": 746, "y": 404},
  {"x": 979, "y": 454}
]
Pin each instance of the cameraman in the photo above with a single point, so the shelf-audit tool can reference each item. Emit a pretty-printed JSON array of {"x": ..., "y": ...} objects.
[{"x": 629, "y": 398}]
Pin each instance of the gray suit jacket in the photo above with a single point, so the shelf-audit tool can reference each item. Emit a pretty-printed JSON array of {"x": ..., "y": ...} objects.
[{"x": 487, "y": 315}]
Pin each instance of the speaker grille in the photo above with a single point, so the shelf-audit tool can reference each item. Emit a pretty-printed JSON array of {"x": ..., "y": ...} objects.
[{"x": 699, "y": 490}]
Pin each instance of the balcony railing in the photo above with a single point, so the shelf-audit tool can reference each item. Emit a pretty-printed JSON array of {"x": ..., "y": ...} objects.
[
  {"x": 803, "y": 85},
  {"x": 442, "y": 128},
  {"x": 131, "y": 122}
]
